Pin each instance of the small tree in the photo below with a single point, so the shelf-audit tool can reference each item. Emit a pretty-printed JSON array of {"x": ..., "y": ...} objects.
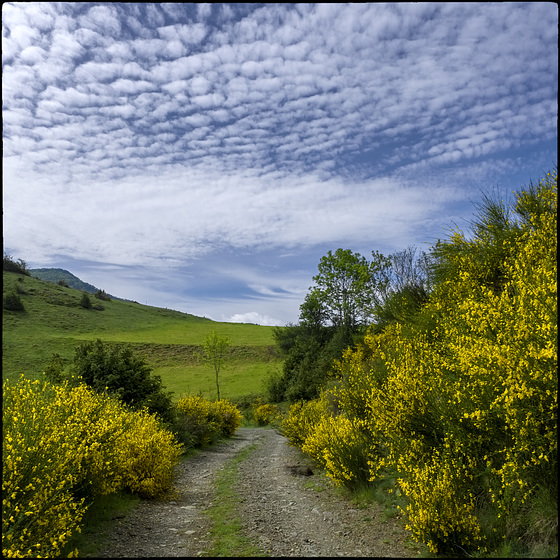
[
  {"x": 85, "y": 302},
  {"x": 13, "y": 303},
  {"x": 215, "y": 349},
  {"x": 11, "y": 265}
]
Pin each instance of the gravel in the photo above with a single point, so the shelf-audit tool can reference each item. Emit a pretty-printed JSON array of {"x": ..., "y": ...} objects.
[{"x": 286, "y": 509}]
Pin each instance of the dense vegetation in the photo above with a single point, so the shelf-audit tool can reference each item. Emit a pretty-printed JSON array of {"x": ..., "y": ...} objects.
[
  {"x": 450, "y": 399},
  {"x": 350, "y": 294}
]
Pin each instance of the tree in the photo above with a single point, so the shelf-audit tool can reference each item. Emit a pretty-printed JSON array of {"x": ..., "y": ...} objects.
[
  {"x": 12, "y": 302},
  {"x": 215, "y": 349},
  {"x": 119, "y": 372},
  {"x": 344, "y": 291},
  {"x": 404, "y": 288},
  {"x": 19, "y": 266},
  {"x": 85, "y": 302}
]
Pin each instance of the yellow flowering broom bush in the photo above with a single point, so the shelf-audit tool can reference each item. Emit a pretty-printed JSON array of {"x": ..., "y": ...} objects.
[
  {"x": 204, "y": 420},
  {"x": 340, "y": 447},
  {"x": 63, "y": 445},
  {"x": 265, "y": 413},
  {"x": 485, "y": 379},
  {"x": 303, "y": 417}
]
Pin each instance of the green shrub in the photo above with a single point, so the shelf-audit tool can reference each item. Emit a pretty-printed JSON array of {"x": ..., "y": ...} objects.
[
  {"x": 85, "y": 302},
  {"x": 119, "y": 372},
  {"x": 12, "y": 302},
  {"x": 19, "y": 266},
  {"x": 100, "y": 294}
]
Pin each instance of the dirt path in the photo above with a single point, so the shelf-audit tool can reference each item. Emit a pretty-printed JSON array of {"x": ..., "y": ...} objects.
[{"x": 281, "y": 508}]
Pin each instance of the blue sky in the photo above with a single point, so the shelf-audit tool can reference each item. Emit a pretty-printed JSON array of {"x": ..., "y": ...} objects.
[{"x": 204, "y": 157}]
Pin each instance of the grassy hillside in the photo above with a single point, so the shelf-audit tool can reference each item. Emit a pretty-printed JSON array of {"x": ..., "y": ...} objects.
[
  {"x": 54, "y": 322},
  {"x": 56, "y": 275}
]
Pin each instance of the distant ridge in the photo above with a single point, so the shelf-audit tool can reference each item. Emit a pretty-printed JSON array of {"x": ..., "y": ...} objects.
[{"x": 55, "y": 275}]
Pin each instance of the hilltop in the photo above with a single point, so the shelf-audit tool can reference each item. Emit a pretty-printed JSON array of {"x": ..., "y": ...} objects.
[
  {"x": 59, "y": 275},
  {"x": 53, "y": 322}
]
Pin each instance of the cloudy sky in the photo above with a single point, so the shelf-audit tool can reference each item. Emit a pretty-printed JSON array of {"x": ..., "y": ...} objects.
[{"x": 203, "y": 157}]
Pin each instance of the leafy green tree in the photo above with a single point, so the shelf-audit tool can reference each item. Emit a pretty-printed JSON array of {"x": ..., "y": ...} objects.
[
  {"x": 344, "y": 290},
  {"x": 119, "y": 372},
  {"x": 215, "y": 352},
  {"x": 334, "y": 312}
]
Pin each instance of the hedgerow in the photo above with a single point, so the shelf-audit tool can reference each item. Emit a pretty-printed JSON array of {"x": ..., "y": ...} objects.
[{"x": 459, "y": 403}]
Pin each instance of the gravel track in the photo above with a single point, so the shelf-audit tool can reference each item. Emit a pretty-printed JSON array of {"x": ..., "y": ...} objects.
[{"x": 285, "y": 509}]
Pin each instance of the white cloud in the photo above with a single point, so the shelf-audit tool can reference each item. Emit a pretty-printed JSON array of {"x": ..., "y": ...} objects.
[{"x": 253, "y": 317}]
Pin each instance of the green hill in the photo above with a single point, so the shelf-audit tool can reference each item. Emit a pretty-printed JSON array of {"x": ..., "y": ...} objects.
[
  {"x": 56, "y": 275},
  {"x": 54, "y": 322}
]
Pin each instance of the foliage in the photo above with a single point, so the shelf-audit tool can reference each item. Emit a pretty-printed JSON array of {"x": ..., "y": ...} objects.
[
  {"x": 12, "y": 302},
  {"x": 121, "y": 373},
  {"x": 457, "y": 397},
  {"x": 101, "y": 294},
  {"x": 215, "y": 350},
  {"x": 302, "y": 419},
  {"x": 339, "y": 445},
  {"x": 61, "y": 446},
  {"x": 202, "y": 421},
  {"x": 85, "y": 302},
  {"x": 344, "y": 290},
  {"x": 349, "y": 291},
  {"x": 19, "y": 266},
  {"x": 265, "y": 413},
  {"x": 309, "y": 355}
]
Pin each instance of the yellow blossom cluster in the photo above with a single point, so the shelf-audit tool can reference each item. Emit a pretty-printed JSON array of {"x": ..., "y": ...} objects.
[
  {"x": 205, "y": 420},
  {"x": 265, "y": 413},
  {"x": 62, "y": 445}
]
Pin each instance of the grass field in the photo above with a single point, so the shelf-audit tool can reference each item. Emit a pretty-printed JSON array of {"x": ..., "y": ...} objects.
[{"x": 53, "y": 322}]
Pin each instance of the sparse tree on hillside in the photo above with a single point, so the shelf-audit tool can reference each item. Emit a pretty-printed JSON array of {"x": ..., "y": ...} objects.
[
  {"x": 85, "y": 302},
  {"x": 19, "y": 266},
  {"x": 215, "y": 349}
]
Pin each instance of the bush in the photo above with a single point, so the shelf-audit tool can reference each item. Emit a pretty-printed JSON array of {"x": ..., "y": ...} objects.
[
  {"x": 200, "y": 421},
  {"x": 340, "y": 447},
  {"x": 457, "y": 398},
  {"x": 100, "y": 294},
  {"x": 302, "y": 419},
  {"x": 19, "y": 266},
  {"x": 63, "y": 445},
  {"x": 121, "y": 373},
  {"x": 227, "y": 417},
  {"x": 85, "y": 302},
  {"x": 265, "y": 413},
  {"x": 12, "y": 302}
]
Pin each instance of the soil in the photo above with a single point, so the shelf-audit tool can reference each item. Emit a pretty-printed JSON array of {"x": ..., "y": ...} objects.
[{"x": 286, "y": 509}]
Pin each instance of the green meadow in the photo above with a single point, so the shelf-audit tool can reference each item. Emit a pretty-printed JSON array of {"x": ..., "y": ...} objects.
[{"x": 53, "y": 322}]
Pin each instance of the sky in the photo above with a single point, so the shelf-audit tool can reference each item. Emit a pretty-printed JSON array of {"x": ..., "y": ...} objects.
[{"x": 204, "y": 157}]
